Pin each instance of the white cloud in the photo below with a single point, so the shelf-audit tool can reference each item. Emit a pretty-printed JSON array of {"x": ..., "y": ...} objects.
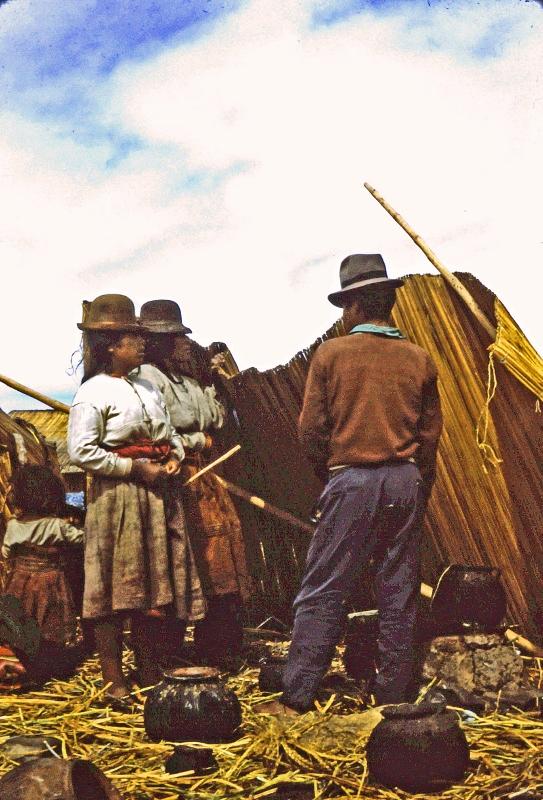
[{"x": 292, "y": 119}]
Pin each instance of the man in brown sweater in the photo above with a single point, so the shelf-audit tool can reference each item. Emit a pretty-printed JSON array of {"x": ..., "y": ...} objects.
[{"x": 370, "y": 424}]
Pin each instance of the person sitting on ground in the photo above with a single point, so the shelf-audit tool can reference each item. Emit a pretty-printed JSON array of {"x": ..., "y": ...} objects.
[{"x": 35, "y": 544}]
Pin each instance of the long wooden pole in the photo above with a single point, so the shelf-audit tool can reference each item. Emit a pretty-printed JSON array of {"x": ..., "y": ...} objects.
[
  {"x": 215, "y": 463},
  {"x": 264, "y": 505},
  {"x": 48, "y": 401},
  {"x": 451, "y": 279}
]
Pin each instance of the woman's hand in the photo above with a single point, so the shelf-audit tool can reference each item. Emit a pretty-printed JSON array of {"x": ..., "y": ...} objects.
[
  {"x": 147, "y": 472},
  {"x": 208, "y": 443},
  {"x": 172, "y": 466}
]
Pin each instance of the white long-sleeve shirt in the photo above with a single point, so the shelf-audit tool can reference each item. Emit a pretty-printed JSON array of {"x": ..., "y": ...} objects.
[
  {"x": 108, "y": 412},
  {"x": 193, "y": 410},
  {"x": 42, "y": 531}
]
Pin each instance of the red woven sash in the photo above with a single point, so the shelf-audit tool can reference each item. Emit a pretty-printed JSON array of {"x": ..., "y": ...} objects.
[{"x": 145, "y": 448}]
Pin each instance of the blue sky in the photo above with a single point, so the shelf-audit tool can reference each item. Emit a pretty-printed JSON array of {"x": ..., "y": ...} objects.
[{"x": 208, "y": 150}]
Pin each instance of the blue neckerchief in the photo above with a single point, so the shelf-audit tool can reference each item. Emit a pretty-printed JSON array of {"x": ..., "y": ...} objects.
[{"x": 380, "y": 330}]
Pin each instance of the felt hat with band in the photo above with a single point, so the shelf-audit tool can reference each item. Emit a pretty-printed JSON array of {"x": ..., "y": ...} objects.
[
  {"x": 359, "y": 272},
  {"x": 162, "y": 316},
  {"x": 111, "y": 312}
]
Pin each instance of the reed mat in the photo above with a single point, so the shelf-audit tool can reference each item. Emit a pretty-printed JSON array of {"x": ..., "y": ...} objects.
[{"x": 271, "y": 758}]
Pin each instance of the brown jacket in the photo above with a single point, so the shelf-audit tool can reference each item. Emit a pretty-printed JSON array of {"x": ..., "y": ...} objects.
[{"x": 370, "y": 399}]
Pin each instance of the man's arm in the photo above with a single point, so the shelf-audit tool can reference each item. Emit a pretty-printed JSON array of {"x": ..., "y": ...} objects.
[
  {"x": 314, "y": 422},
  {"x": 430, "y": 426}
]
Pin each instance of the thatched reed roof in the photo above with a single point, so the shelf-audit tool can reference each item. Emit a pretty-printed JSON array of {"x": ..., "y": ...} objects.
[
  {"x": 479, "y": 514},
  {"x": 53, "y": 426}
]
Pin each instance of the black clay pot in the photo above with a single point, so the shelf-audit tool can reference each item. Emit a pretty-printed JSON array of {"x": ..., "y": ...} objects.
[
  {"x": 469, "y": 596},
  {"x": 417, "y": 748},
  {"x": 360, "y": 653},
  {"x": 270, "y": 678},
  {"x": 191, "y": 705},
  {"x": 200, "y": 760}
]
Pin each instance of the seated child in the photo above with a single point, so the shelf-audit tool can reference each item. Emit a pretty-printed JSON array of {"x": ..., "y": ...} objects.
[{"x": 36, "y": 543}]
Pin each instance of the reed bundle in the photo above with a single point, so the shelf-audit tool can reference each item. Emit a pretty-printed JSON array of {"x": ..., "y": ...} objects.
[
  {"x": 516, "y": 353},
  {"x": 506, "y": 750}
]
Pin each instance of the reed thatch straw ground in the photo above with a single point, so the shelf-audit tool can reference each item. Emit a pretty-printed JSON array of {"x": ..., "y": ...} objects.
[{"x": 270, "y": 757}]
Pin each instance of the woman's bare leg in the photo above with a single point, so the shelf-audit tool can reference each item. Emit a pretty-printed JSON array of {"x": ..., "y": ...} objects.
[{"x": 109, "y": 641}]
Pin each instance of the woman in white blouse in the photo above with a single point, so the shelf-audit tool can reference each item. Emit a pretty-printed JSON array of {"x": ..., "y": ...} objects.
[
  {"x": 215, "y": 531},
  {"x": 137, "y": 557}
]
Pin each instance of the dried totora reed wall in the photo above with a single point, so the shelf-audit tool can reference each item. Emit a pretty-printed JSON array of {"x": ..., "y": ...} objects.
[{"x": 478, "y": 514}]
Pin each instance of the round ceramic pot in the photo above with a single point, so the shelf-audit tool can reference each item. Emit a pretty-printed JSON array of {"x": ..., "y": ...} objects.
[
  {"x": 417, "y": 748},
  {"x": 191, "y": 705},
  {"x": 470, "y": 596},
  {"x": 360, "y": 654},
  {"x": 57, "y": 779},
  {"x": 270, "y": 678}
]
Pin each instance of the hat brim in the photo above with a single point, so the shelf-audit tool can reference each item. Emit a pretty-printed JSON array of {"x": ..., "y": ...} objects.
[
  {"x": 336, "y": 297},
  {"x": 165, "y": 327},
  {"x": 114, "y": 327}
]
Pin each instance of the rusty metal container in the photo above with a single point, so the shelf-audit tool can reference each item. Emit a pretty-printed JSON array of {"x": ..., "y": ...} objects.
[{"x": 57, "y": 779}]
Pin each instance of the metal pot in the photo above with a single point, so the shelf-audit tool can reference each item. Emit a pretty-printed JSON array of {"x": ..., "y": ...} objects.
[
  {"x": 191, "y": 705},
  {"x": 471, "y": 596},
  {"x": 418, "y": 748},
  {"x": 57, "y": 779}
]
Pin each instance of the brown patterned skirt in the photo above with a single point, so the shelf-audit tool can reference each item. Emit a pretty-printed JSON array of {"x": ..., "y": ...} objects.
[
  {"x": 215, "y": 533},
  {"x": 38, "y": 580},
  {"x": 137, "y": 554}
]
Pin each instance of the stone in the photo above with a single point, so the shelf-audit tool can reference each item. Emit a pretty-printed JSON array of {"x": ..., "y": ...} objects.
[
  {"x": 483, "y": 664},
  {"x": 27, "y": 748},
  {"x": 329, "y": 732}
]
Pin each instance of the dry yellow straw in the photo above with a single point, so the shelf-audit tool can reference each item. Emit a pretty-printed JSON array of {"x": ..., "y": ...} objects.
[{"x": 213, "y": 464}]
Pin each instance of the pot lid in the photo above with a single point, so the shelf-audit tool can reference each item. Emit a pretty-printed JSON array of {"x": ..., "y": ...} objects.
[{"x": 191, "y": 674}]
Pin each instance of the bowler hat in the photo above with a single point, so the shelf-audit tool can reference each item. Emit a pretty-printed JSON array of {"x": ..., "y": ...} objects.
[
  {"x": 162, "y": 316},
  {"x": 111, "y": 312},
  {"x": 360, "y": 271}
]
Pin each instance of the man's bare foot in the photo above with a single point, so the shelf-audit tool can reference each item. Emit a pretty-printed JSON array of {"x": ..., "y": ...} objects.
[{"x": 276, "y": 709}]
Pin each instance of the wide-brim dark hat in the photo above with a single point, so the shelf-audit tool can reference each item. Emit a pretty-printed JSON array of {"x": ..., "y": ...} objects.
[
  {"x": 162, "y": 316},
  {"x": 360, "y": 272},
  {"x": 111, "y": 312},
  {"x": 20, "y": 632}
]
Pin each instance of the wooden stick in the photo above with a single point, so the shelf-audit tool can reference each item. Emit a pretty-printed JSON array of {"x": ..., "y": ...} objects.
[
  {"x": 48, "y": 401},
  {"x": 451, "y": 279},
  {"x": 213, "y": 464},
  {"x": 264, "y": 505}
]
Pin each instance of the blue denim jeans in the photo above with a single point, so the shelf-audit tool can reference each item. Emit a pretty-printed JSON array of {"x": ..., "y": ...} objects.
[{"x": 366, "y": 513}]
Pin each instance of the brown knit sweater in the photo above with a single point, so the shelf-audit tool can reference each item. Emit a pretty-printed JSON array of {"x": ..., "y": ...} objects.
[{"x": 369, "y": 399}]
